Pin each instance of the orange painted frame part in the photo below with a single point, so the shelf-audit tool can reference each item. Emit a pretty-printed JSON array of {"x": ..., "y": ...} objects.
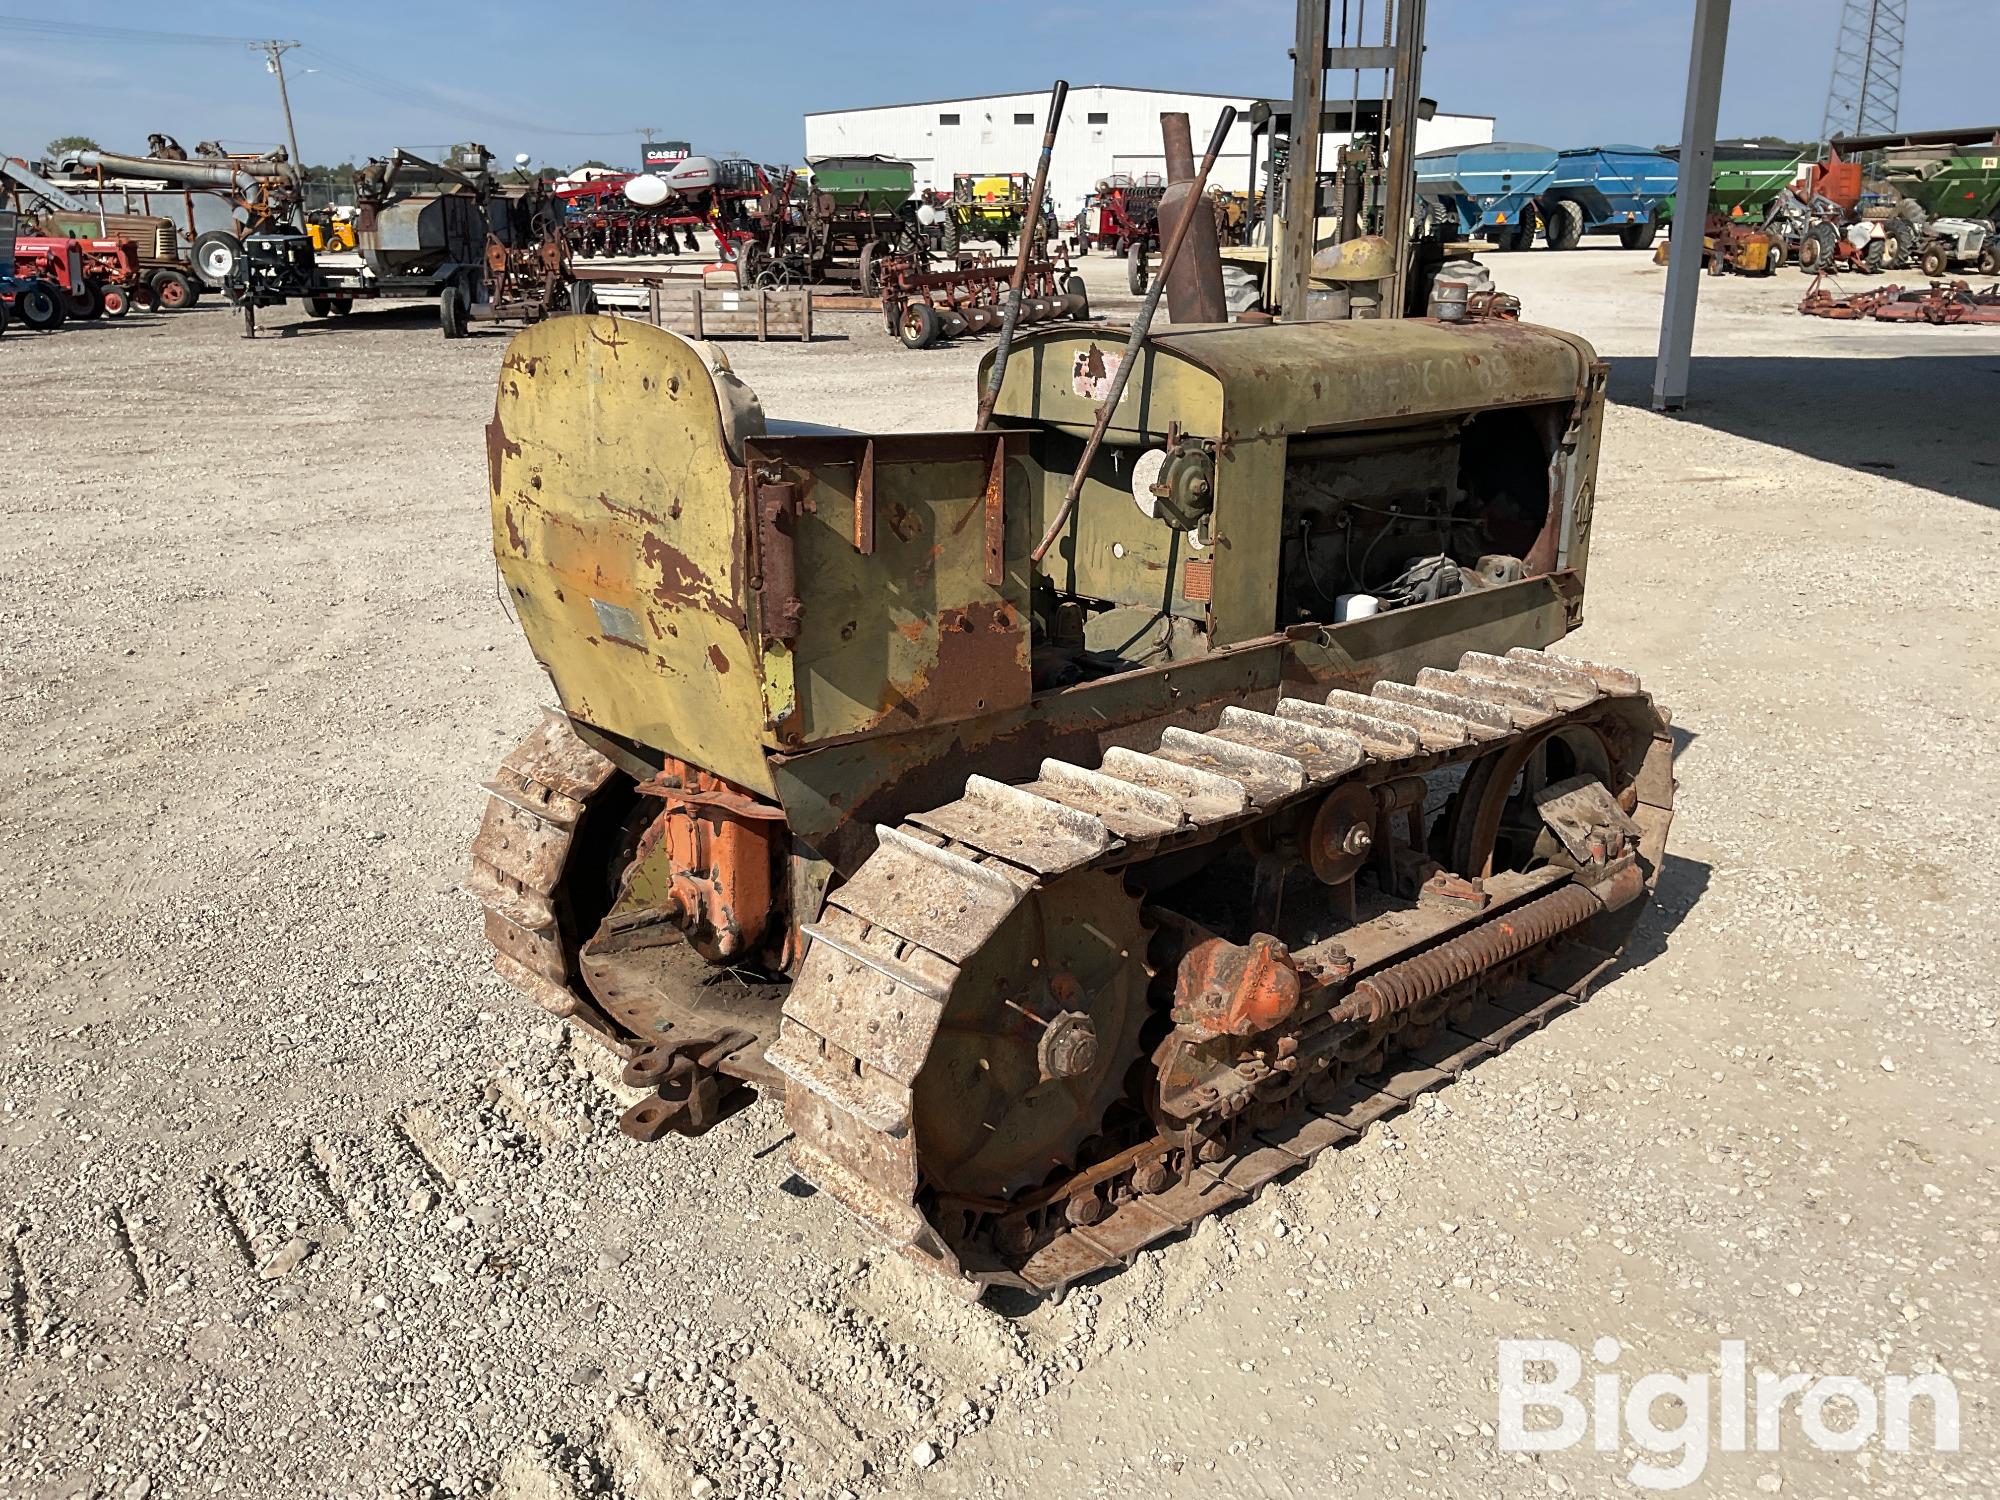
[{"x": 722, "y": 846}]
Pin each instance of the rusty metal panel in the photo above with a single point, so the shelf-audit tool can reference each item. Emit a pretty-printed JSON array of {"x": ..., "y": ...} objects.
[
  {"x": 1297, "y": 377},
  {"x": 1059, "y": 377},
  {"x": 834, "y": 795},
  {"x": 618, "y": 523},
  {"x": 900, "y": 619}
]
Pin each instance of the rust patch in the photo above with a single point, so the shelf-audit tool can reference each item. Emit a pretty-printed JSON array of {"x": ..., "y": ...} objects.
[
  {"x": 911, "y": 630},
  {"x": 499, "y": 447},
  {"x": 630, "y": 512},
  {"x": 682, "y": 585},
  {"x": 982, "y": 664},
  {"x": 527, "y": 364},
  {"x": 717, "y": 660},
  {"x": 513, "y": 531}
]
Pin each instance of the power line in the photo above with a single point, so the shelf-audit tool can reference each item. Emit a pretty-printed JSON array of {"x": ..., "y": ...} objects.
[
  {"x": 414, "y": 96},
  {"x": 418, "y": 96},
  {"x": 36, "y": 26}
]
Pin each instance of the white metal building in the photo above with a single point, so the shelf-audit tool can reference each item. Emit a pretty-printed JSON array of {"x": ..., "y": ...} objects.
[{"x": 1105, "y": 129}]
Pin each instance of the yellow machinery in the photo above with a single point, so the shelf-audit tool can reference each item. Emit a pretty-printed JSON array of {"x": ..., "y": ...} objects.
[{"x": 1064, "y": 901}]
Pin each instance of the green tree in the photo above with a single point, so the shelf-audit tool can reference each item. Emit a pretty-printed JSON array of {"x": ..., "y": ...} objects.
[{"x": 64, "y": 144}]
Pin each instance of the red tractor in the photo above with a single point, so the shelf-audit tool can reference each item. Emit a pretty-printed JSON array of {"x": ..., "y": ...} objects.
[
  {"x": 1123, "y": 216},
  {"x": 96, "y": 275}
]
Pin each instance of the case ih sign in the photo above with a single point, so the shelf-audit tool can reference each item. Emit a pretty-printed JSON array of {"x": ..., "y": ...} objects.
[{"x": 654, "y": 154}]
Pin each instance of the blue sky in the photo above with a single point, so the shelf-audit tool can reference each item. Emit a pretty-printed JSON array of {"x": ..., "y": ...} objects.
[{"x": 735, "y": 79}]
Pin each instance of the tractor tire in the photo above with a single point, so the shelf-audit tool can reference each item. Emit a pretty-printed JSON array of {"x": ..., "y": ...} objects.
[
  {"x": 1818, "y": 247},
  {"x": 951, "y": 236},
  {"x": 1242, "y": 292},
  {"x": 1898, "y": 240},
  {"x": 451, "y": 311},
  {"x": 174, "y": 290},
  {"x": 1136, "y": 272},
  {"x": 1562, "y": 226},
  {"x": 1989, "y": 260},
  {"x": 216, "y": 255},
  {"x": 115, "y": 302},
  {"x": 319, "y": 307},
  {"x": 919, "y": 326},
  {"x": 1936, "y": 260},
  {"x": 4, "y": 315},
  {"x": 86, "y": 304},
  {"x": 1639, "y": 236},
  {"x": 1871, "y": 257},
  {"x": 1000, "y": 239},
  {"x": 39, "y": 308}
]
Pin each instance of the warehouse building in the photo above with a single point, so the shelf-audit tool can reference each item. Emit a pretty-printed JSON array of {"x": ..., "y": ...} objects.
[{"x": 1105, "y": 129}]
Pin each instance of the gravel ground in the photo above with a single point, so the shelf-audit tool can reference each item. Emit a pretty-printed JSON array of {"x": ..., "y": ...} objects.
[{"x": 295, "y": 1198}]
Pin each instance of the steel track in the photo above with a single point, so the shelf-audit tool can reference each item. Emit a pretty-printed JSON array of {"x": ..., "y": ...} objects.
[{"x": 896, "y": 938}]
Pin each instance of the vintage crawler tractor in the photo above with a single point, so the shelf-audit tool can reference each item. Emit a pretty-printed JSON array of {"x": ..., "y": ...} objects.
[{"x": 1068, "y": 901}]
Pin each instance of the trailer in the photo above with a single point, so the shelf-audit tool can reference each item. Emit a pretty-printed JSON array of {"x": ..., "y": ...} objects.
[
  {"x": 1488, "y": 192},
  {"x": 836, "y": 220},
  {"x": 1745, "y": 180},
  {"x": 1951, "y": 173},
  {"x": 1607, "y": 189},
  {"x": 446, "y": 231},
  {"x": 449, "y": 232}
]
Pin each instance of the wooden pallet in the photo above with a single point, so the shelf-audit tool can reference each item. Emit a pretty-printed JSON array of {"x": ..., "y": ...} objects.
[{"x": 713, "y": 312}]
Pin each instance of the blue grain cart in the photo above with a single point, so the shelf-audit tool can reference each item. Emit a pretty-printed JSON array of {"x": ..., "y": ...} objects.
[
  {"x": 1605, "y": 189},
  {"x": 1489, "y": 191}
]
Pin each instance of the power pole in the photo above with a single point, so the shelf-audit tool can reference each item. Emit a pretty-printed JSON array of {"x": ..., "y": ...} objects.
[
  {"x": 1866, "y": 89},
  {"x": 274, "y": 55}
]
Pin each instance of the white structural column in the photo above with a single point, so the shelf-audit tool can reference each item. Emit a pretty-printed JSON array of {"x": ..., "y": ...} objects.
[{"x": 1684, "y": 257}]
